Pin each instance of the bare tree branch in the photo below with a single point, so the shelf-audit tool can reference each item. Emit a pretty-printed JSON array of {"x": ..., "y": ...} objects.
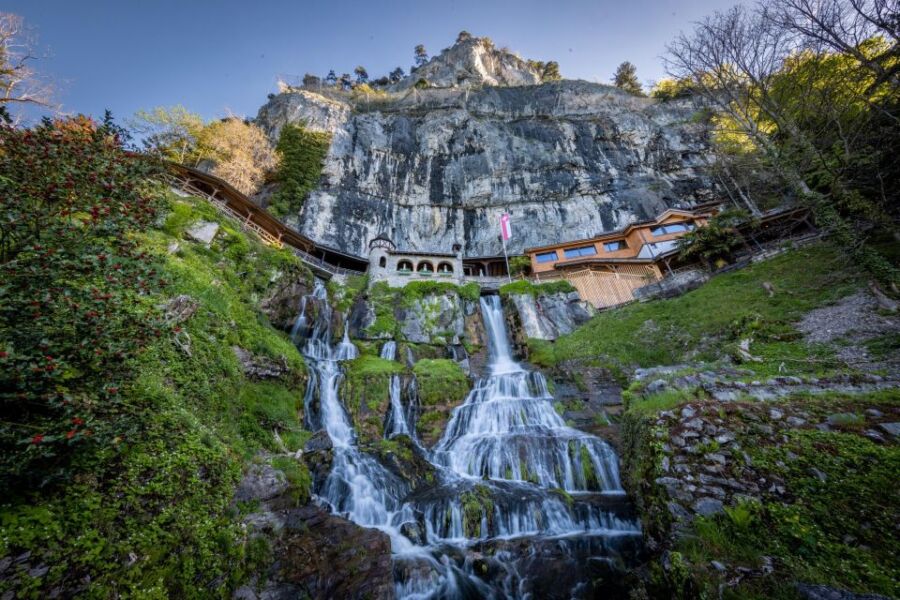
[{"x": 19, "y": 82}]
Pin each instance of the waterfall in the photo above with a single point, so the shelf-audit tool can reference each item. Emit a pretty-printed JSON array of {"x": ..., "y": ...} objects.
[
  {"x": 397, "y": 419},
  {"x": 508, "y": 467}
]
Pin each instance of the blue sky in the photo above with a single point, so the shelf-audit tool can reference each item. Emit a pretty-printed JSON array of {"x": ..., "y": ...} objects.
[{"x": 216, "y": 57}]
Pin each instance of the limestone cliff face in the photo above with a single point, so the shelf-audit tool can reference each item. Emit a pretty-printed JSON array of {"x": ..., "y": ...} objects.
[{"x": 434, "y": 167}]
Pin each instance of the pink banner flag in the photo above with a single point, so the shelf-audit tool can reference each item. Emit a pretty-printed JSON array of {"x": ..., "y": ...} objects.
[{"x": 505, "y": 227}]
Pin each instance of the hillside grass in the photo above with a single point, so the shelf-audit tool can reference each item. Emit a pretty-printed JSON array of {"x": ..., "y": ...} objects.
[
  {"x": 708, "y": 323},
  {"x": 150, "y": 515},
  {"x": 835, "y": 525}
]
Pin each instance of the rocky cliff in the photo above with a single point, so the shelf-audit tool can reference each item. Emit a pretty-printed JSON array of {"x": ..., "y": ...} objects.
[{"x": 438, "y": 166}]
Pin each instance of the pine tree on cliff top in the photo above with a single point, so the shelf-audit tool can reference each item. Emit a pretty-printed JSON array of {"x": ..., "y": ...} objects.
[{"x": 626, "y": 79}]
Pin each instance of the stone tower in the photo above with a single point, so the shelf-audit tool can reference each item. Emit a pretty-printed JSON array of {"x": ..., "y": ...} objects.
[{"x": 379, "y": 249}]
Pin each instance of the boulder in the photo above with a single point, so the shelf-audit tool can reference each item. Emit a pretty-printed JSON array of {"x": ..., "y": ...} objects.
[
  {"x": 203, "y": 232},
  {"x": 261, "y": 482}
]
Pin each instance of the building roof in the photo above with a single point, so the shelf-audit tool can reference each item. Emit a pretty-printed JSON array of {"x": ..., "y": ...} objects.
[
  {"x": 697, "y": 211},
  {"x": 422, "y": 253}
]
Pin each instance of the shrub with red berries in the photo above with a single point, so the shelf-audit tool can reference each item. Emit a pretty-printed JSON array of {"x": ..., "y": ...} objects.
[{"x": 75, "y": 288}]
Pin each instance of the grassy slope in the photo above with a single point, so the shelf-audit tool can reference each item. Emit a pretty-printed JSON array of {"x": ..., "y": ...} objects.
[
  {"x": 150, "y": 516},
  {"x": 707, "y": 323},
  {"x": 837, "y": 531}
]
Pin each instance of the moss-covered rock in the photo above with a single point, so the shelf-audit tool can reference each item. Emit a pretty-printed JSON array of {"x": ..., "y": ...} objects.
[
  {"x": 366, "y": 393},
  {"x": 442, "y": 386}
]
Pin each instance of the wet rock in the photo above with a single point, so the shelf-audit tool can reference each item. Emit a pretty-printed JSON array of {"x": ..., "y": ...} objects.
[
  {"x": 892, "y": 429},
  {"x": 725, "y": 438},
  {"x": 874, "y": 413},
  {"x": 282, "y": 301},
  {"x": 656, "y": 386},
  {"x": 707, "y": 507},
  {"x": 725, "y": 395},
  {"x": 775, "y": 414},
  {"x": 795, "y": 421},
  {"x": 818, "y": 474},
  {"x": 203, "y": 232},
  {"x": 179, "y": 309},
  {"x": 260, "y": 367},
  {"x": 695, "y": 424},
  {"x": 823, "y": 592},
  {"x": 323, "y": 556},
  {"x": 318, "y": 442},
  {"x": 261, "y": 482},
  {"x": 38, "y": 571},
  {"x": 678, "y": 511},
  {"x": 716, "y": 458},
  {"x": 688, "y": 412},
  {"x": 547, "y": 316},
  {"x": 414, "y": 533}
]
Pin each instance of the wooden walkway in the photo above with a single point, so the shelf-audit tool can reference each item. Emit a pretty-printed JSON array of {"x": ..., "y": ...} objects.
[{"x": 270, "y": 230}]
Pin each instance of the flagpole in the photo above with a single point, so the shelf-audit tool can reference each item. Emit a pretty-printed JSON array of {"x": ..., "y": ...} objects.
[{"x": 506, "y": 257}]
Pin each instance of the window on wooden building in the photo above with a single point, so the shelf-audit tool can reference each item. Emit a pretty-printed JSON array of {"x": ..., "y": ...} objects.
[
  {"x": 672, "y": 228},
  {"x": 580, "y": 251},
  {"x": 544, "y": 257},
  {"x": 615, "y": 246}
]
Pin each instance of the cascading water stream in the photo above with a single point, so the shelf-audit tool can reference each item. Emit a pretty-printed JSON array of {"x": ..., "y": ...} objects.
[
  {"x": 505, "y": 442},
  {"x": 398, "y": 419}
]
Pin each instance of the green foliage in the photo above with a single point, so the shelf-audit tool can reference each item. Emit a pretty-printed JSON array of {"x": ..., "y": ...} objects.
[
  {"x": 664, "y": 332},
  {"x": 716, "y": 241},
  {"x": 170, "y": 132},
  {"x": 343, "y": 296},
  {"x": 382, "y": 299},
  {"x": 298, "y": 477},
  {"x": 625, "y": 78},
  {"x": 664, "y": 400},
  {"x": 75, "y": 305},
  {"x": 834, "y": 528},
  {"x": 477, "y": 505},
  {"x": 302, "y": 155},
  {"x": 366, "y": 392},
  {"x": 141, "y": 505},
  {"x": 441, "y": 381},
  {"x": 519, "y": 265},
  {"x": 385, "y": 300},
  {"x": 671, "y": 89},
  {"x": 523, "y": 286}
]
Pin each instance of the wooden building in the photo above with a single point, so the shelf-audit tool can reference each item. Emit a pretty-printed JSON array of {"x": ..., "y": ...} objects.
[{"x": 608, "y": 268}]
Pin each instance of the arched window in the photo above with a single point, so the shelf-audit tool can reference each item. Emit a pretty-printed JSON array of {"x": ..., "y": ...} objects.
[
  {"x": 425, "y": 267},
  {"x": 405, "y": 265},
  {"x": 445, "y": 267},
  {"x": 382, "y": 262}
]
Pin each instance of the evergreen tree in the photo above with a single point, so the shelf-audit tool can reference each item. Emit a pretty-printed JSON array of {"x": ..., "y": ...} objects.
[
  {"x": 626, "y": 79},
  {"x": 396, "y": 75},
  {"x": 463, "y": 36},
  {"x": 310, "y": 80},
  {"x": 421, "y": 55},
  {"x": 346, "y": 82},
  {"x": 331, "y": 78},
  {"x": 362, "y": 76},
  {"x": 551, "y": 71}
]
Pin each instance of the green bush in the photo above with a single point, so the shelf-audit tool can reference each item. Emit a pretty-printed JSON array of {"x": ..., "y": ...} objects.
[
  {"x": 75, "y": 287},
  {"x": 523, "y": 286},
  {"x": 135, "y": 502},
  {"x": 440, "y": 380},
  {"x": 302, "y": 154}
]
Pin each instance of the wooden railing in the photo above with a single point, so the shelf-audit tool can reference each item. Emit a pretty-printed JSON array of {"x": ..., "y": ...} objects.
[{"x": 251, "y": 217}]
